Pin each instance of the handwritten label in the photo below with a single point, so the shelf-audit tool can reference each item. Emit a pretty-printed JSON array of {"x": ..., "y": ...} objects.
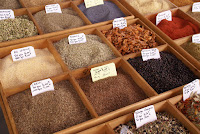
[
  {"x": 53, "y": 8},
  {"x": 6, "y": 14},
  {"x": 196, "y": 38},
  {"x": 23, "y": 53},
  {"x": 163, "y": 15},
  {"x": 42, "y": 86},
  {"x": 103, "y": 72},
  {"x": 125, "y": 130},
  {"x": 77, "y": 38},
  {"x": 191, "y": 87},
  {"x": 92, "y": 3},
  {"x": 196, "y": 7},
  {"x": 120, "y": 23},
  {"x": 148, "y": 54},
  {"x": 144, "y": 116}
]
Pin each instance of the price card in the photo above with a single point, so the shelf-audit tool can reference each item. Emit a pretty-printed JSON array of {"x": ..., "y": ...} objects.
[
  {"x": 77, "y": 38},
  {"x": 163, "y": 15},
  {"x": 53, "y": 8},
  {"x": 103, "y": 72},
  {"x": 144, "y": 116},
  {"x": 125, "y": 130},
  {"x": 6, "y": 14},
  {"x": 191, "y": 87},
  {"x": 92, "y": 3},
  {"x": 42, "y": 86},
  {"x": 148, "y": 54},
  {"x": 196, "y": 38},
  {"x": 23, "y": 53},
  {"x": 120, "y": 23},
  {"x": 196, "y": 7}
]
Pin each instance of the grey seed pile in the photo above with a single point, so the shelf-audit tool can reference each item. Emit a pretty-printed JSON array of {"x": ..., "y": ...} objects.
[
  {"x": 52, "y": 22},
  {"x": 111, "y": 93},
  {"x": 48, "y": 112},
  {"x": 84, "y": 54},
  {"x": 9, "y": 4},
  {"x": 31, "y": 3},
  {"x": 195, "y": 15},
  {"x": 20, "y": 27}
]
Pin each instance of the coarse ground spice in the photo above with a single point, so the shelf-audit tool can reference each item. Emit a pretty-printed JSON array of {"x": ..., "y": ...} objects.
[
  {"x": 48, "y": 112},
  {"x": 193, "y": 49},
  {"x": 165, "y": 124},
  {"x": 163, "y": 74},
  {"x": 181, "y": 3},
  {"x": 195, "y": 15},
  {"x": 131, "y": 39},
  {"x": 84, "y": 54},
  {"x": 10, "y": 4},
  {"x": 53, "y": 22},
  {"x": 17, "y": 28},
  {"x": 111, "y": 93},
  {"x": 191, "y": 108},
  {"x": 31, "y": 3},
  {"x": 24, "y": 71},
  {"x": 100, "y": 13}
]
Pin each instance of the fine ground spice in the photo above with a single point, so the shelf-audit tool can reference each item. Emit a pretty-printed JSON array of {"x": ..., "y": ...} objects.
[
  {"x": 10, "y": 4},
  {"x": 165, "y": 124},
  {"x": 53, "y": 22},
  {"x": 48, "y": 112},
  {"x": 181, "y": 3},
  {"x": 24, "y": 71},
  {"x": 17, "y": 28},
  {"x": 150, "y": 6},
  {"x": 163, "y": 74},
  {"x": 131, "y": 39},
  {"x": 193, "y": 49},
  {"x": 31, "y": 3},
  {"x": 111, "y": 93},
  {"x": 100, "y": 13},
  {"x": 84, "y": 54},
  {"x": 195, "y": 15},
  {"x": 191, "y": 108}
]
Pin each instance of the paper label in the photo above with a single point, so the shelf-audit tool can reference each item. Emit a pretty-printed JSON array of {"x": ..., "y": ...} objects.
[
  {"x": 42, "y": 86},
  {"x": 196, "y": 7},
  {"x": 6, "y": 14},
  {"x": 191, "y": 87},
  {"x": 53, "y": 8},
  {"x": 196, "y": 38},
  {"x": 92, "y": 3},
  {"x": 77, "y": 38},
  {"x": 103, "y": 72},
  {"x": 163, "y": 15},
  {"x": 120, "y": 23},
  {"x": 148, "y": 54},
  {"x": 125, "y": 130},
  {"x": 23, "y": 53},
  {"x": 144, "y": 116}
]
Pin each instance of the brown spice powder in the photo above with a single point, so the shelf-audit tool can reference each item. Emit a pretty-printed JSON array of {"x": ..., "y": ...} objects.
[{"x": 31, "y": 3}]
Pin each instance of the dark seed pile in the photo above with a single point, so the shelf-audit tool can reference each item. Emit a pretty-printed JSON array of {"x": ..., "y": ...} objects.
[{"x": 163, "y": 74}]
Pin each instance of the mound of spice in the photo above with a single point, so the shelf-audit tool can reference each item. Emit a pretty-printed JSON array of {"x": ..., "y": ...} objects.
[
  {"x": 131, "y": 39},
  {"x": 163, "y": 74},
  {"x": 181, "y": 3},
  {"x": 193, "y": 49},
  {"x": 10, "y": 4},
  {"x": 150, "y": 6},
  {"x": 165, "y": 124},
  {"x": 31, "y": 3},
  {"x": 48, "y": 112},
  {"x": 195, "y": 15},
  {"x": 178, "y": 28},
  {"x": 15, "y": 73},
  {"x": 53, "y": 22},
  {"x": 111, "y": 93},
  {"x": 100, "y": 13},
  {"x": 84, "y": 54},
  {"x": 191, "y": 108},
  {"x": 20, "y": 27}
]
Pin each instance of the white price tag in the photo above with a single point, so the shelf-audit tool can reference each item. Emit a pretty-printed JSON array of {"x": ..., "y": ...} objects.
[
  {"x": 23, "y": 53},
  {"x": 53, "y": 8},
  {"x": 144, "y": 116},
  {"x": 163, "y": 15},
  {"x": 77, "y": 38},
  {"x": 6, "y": 14},
  {"x": 125, "y": 130},
  {"x": 42, "y": 86},
  {"x": 196, "y": 7},
  {"x": 120, "y": 23},
  {"x": 196, "y": 38},
  {"x": 103, "y": 72},
  {"x": 148, "y": 54},
  {"x": 92, "y": 3},
  {"x": 191, "y": 87}
]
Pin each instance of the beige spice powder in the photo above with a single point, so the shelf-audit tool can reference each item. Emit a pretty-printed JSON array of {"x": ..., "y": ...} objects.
[
  {"x": 31, "y": 3},
  {"x": 9, "y": 4}
]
